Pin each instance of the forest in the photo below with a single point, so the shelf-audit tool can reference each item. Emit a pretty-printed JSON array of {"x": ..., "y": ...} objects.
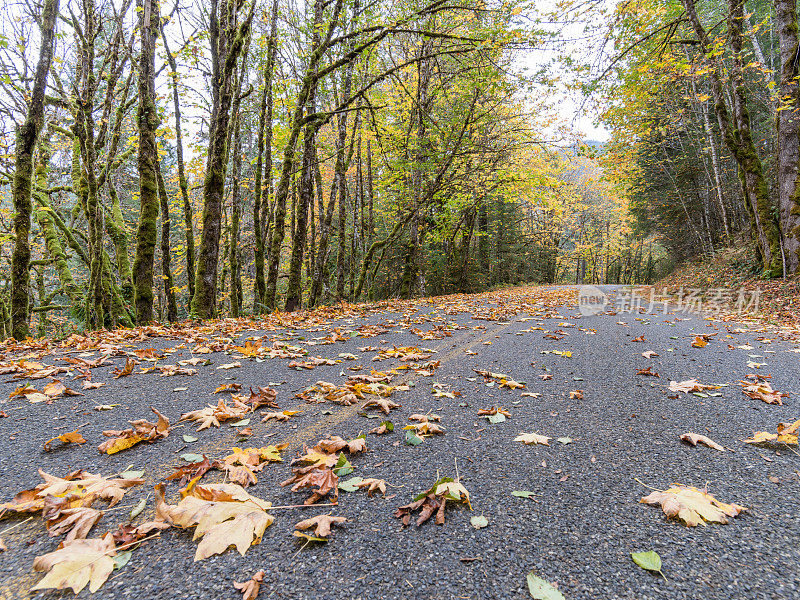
[{"x": 176, "y": 159}]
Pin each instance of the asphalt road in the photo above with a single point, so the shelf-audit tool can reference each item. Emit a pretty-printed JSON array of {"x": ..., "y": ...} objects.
[{"x": 577, "y": 532}]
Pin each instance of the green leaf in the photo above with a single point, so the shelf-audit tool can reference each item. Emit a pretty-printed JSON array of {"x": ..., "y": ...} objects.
[
  {"x": 497, "y": 418},
  {"x": 523, "y": 494},
  {"x": 192, "y": 458},
  {"x": 189, "y": 439},
  {"x": 412, "y": 439},
  {"x": 649, "y": 560},
  {"x": 543, "y": 590},
  {"x": 343, "y": 466},
  {"x": 389, "y": 425},
  {"x": 138, "y": 508},
  {"x": 310, "y": 538},
  {"x": 122, "y": 559},
  {"x": 479, "y": 521},
  {"x": 131, "y": 474},
  {"x": 351, "y": 485},
  {"x": 241, "y": 423}
]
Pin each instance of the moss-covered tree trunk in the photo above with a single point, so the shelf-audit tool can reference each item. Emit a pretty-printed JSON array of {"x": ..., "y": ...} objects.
[
  {"x": 738, "y": 137},
  {"x": 282, "y": 190},
  {"x": 44, "y": 217},
  {"x": 337, "y": 186},
  {"x": 27, "y": 134},
  {"x": 97, "y": 301},
  {"x": 787, "y": 125},
  {"x": 227, "y": 41},
  {"x": 166, "y": 252},
  {"x": 294, "y": 291},
  {"x": 117, "y": 231},
  {"x": 188, "y": 226},
  {"x": 147, "y": 122},
  {"x": 233, "y": 240},
  {"x": 769, "y": 237},
  {"x": 263, "y": 180}
]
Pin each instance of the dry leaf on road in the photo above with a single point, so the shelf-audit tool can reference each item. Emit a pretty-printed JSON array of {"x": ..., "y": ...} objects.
[
  {"x": 532, "y": 438},
  {"x": 696, "y": 438},
  {"x": 73, "y": 437},
  {"x": 691, "y": 505},
  {"x": 223, "y": 513},
  {"x": 77, "y": 564},
  {"x": 251, "y": 587},
  {"x": 142, "y": 431},
  {"x": 322, "y": 524},
  {"x": 787, "y": 434}
]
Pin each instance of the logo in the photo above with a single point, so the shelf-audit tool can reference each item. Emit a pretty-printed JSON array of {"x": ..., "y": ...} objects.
[{"x": 591, "y": 300}]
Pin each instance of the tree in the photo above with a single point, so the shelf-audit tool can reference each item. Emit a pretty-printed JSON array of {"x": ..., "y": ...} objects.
[{"x": 27, "y": 135}]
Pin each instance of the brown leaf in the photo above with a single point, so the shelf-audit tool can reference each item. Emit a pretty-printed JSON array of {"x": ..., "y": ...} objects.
[
  {"x": 126, "y": 370},
  {"x": 382, "y": 403},
  {"x": 191, "y": 471},
  {"x": 127, "y": 534},
  {"x": 224, "y": 515},
  {"x": 373, "y": 485},
  {"x": 142, "y": 431},
  {"x": 322, "y": 478},
  {"x": 695, "y": 438},
  {"x": 692, "y": 506},
  {"x": 251, "y": 587},
  {"x": 75, "y": 522},
  {"x": 322, "y": 524},
  {"x": 73, "y": 437},
  {"x": 335, "y": 443}
]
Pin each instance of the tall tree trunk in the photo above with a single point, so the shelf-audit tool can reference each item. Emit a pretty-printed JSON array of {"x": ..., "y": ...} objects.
[
  {"x": 261, "y": 202},
  {"x": 84, "y": 131},
  {"x": 233, "y": 251},
  {"x": 337, "y": 189},
  {"x": 188, "y": 226},
  {"x": 166, "y": 252},
  {"x": 27, "y": 134},
  {"x": 787, "y": 122},
  {"x": 227, "y": 41},
  {"x": 738, "y": 137},
  {"x": 148, "y": 122},
  {"x": 282, "y": 191},
  {"x": 294, "y": 292}
]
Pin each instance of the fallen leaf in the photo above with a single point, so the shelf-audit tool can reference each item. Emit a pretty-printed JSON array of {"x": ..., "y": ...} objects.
[
  {"x": 479, "y": 521},
  {"x": 142, "y": 431},
  {"x": 691, "y": 505},
  {"x": 434, "y": 501},
  {"x": 691, "y": 385},
  {"x": 322, "y": 524},
  {"x": 532, "y": 438},
  {"x": 787, "y": 434},
  {"x": 73, "y": 437},
  {"x": 695, "y": 438},
  {"x": 77, "y": 564},
  {"x": 372, "y": 485},
  {"x": 542, "y": 590},
  {"x": 251, "y": 587},
  {"x": 223, "y": 515},
  {"x": 649, "y": 560},
  {"x": 384, "y": 427}
]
